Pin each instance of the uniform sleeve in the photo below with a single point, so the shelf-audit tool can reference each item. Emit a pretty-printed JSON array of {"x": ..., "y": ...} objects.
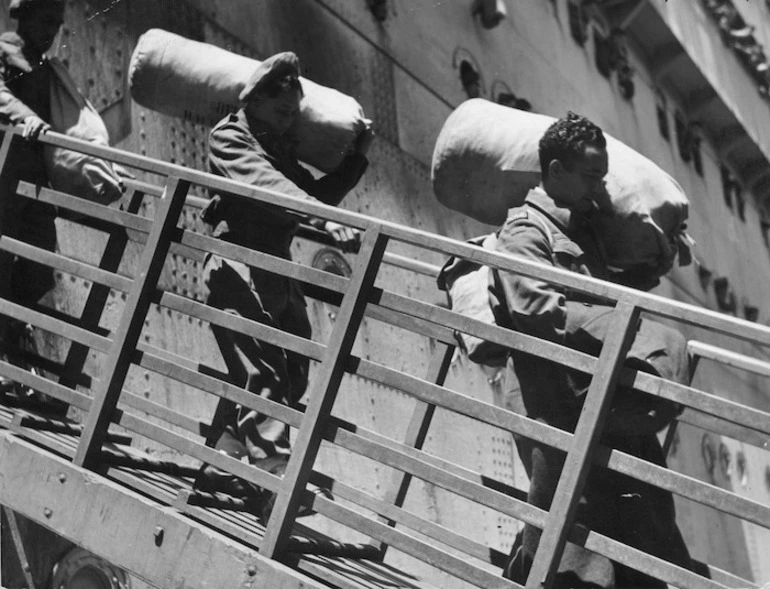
[
  {"x": 535, "y": 307},
  {"x": 234, "y": 154},
  {"x": 333, "y": 187},
  {"x": 12, "y": 109}
]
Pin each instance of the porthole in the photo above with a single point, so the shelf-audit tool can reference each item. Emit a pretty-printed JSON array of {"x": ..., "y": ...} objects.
[
  {"x": 330, "y": 260},
  {"x": 469, "y": 72}
]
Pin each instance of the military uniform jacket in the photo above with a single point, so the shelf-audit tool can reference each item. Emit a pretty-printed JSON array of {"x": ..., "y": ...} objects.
[
  {"x": 247, "y": 151},
  {"x": 537, "y": 308},
  {"x": 25, "y": 90}
]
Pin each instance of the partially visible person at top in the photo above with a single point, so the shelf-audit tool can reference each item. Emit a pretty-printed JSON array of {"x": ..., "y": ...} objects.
[
  {"x": 254, "y": 145},
  {"x": 555, "y": 228},
  {"x": 25, "y": 80}
]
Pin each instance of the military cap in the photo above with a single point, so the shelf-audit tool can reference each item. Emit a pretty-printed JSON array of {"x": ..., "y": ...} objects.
[
  {"x": 272, "y": 69},
  {"x": 17, "y": 6}
]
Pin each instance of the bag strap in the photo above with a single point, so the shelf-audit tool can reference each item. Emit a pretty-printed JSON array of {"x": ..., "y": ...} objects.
[{"x": 542, "y": 225}]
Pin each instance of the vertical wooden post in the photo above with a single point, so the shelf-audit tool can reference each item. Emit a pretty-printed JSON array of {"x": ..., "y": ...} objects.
[
  {"x": 131, "y": 322},
  {"x": 98, "y": 296},
  {"x": 323, "y": 392},
  {"x": 587, "y": 433},
  {"x": 418, "y": 427}
]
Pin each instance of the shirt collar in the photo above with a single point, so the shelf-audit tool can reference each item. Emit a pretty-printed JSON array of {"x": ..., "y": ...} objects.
[{"x": 563, "y": 217}]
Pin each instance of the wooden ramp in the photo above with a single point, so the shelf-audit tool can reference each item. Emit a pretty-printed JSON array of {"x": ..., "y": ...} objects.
[
  {"x": 126, "y": 514},
  {"x": 86, "y": 482}
]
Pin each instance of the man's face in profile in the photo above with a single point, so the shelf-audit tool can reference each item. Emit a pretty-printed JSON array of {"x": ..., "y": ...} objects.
[{"x": 584, "y": 182}]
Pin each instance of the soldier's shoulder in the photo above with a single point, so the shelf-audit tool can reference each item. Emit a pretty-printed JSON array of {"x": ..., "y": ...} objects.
[{"x": 517, "y": 214}]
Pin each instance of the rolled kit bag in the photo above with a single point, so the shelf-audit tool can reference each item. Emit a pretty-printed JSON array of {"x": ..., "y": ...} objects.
[
  {"x": 486, "y": 161},
  {"x": 201, "y": 83}
]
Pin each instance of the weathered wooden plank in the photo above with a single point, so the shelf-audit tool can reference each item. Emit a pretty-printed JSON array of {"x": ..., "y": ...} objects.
[
  {"x": 323, "y": 391},
  {"x": 155, "y": 543},
  {"x": 458, "y": 567},
  {"x": 131, "y": 324},
  {"x": 359, "y": 574},
  {"x": 587, "y": 433}
]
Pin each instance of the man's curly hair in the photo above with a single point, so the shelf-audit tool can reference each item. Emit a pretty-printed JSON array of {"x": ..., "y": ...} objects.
[{"x": 566, "y": 139}]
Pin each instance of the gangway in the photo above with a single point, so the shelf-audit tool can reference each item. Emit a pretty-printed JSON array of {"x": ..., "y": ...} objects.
[{"x": 86, "y": 482}]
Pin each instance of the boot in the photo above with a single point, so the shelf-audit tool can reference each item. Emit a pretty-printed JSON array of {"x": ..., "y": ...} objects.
[
  {"x": 277, "y": 465},
  {"x": 211, "y": 479}
]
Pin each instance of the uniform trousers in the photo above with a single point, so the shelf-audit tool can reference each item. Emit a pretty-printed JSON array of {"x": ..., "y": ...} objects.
[{"x": 259, "y": 367}]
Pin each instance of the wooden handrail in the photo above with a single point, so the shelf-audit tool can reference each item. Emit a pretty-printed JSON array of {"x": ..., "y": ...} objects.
[
  {"x": 682, "y": 312},
  {"x": 358, "y": 296}
]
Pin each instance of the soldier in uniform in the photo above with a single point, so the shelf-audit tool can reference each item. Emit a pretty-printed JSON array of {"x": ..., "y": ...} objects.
[
  {"x": 554, "y": 228},
  {"x": 25, "y": 79},
  {"x": 253, "y": 146}
]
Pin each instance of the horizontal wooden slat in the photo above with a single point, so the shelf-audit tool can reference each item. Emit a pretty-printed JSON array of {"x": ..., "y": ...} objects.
[
  {"x": 685, "y": 486},
  {"x": 196, "y": 450},
  {"x": 85, "y": 207},
  {"x": 725, "y": 409},
  {"x": 190, "y": 424},
  {"x": 43, "y": 385},
  {"x": 725, "y": 428},
  {"x": 440, "y": 559},
  {"x": 729, "y": 358},
  {"x": 219, "y": 388},
  {"x": 418, "y": 524},
  {"x": 54, "y": 325},
  {"x": 26, "y": 420},
  {"x": 65, "y": 264},
  {"x": 422, "y": 469},
  {"x": 261, "y": 331},
  {"x": 265, "y": 261}
]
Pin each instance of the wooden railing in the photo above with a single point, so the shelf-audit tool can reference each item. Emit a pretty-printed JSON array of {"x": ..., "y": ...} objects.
[{"x": 107, "y": 403}]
